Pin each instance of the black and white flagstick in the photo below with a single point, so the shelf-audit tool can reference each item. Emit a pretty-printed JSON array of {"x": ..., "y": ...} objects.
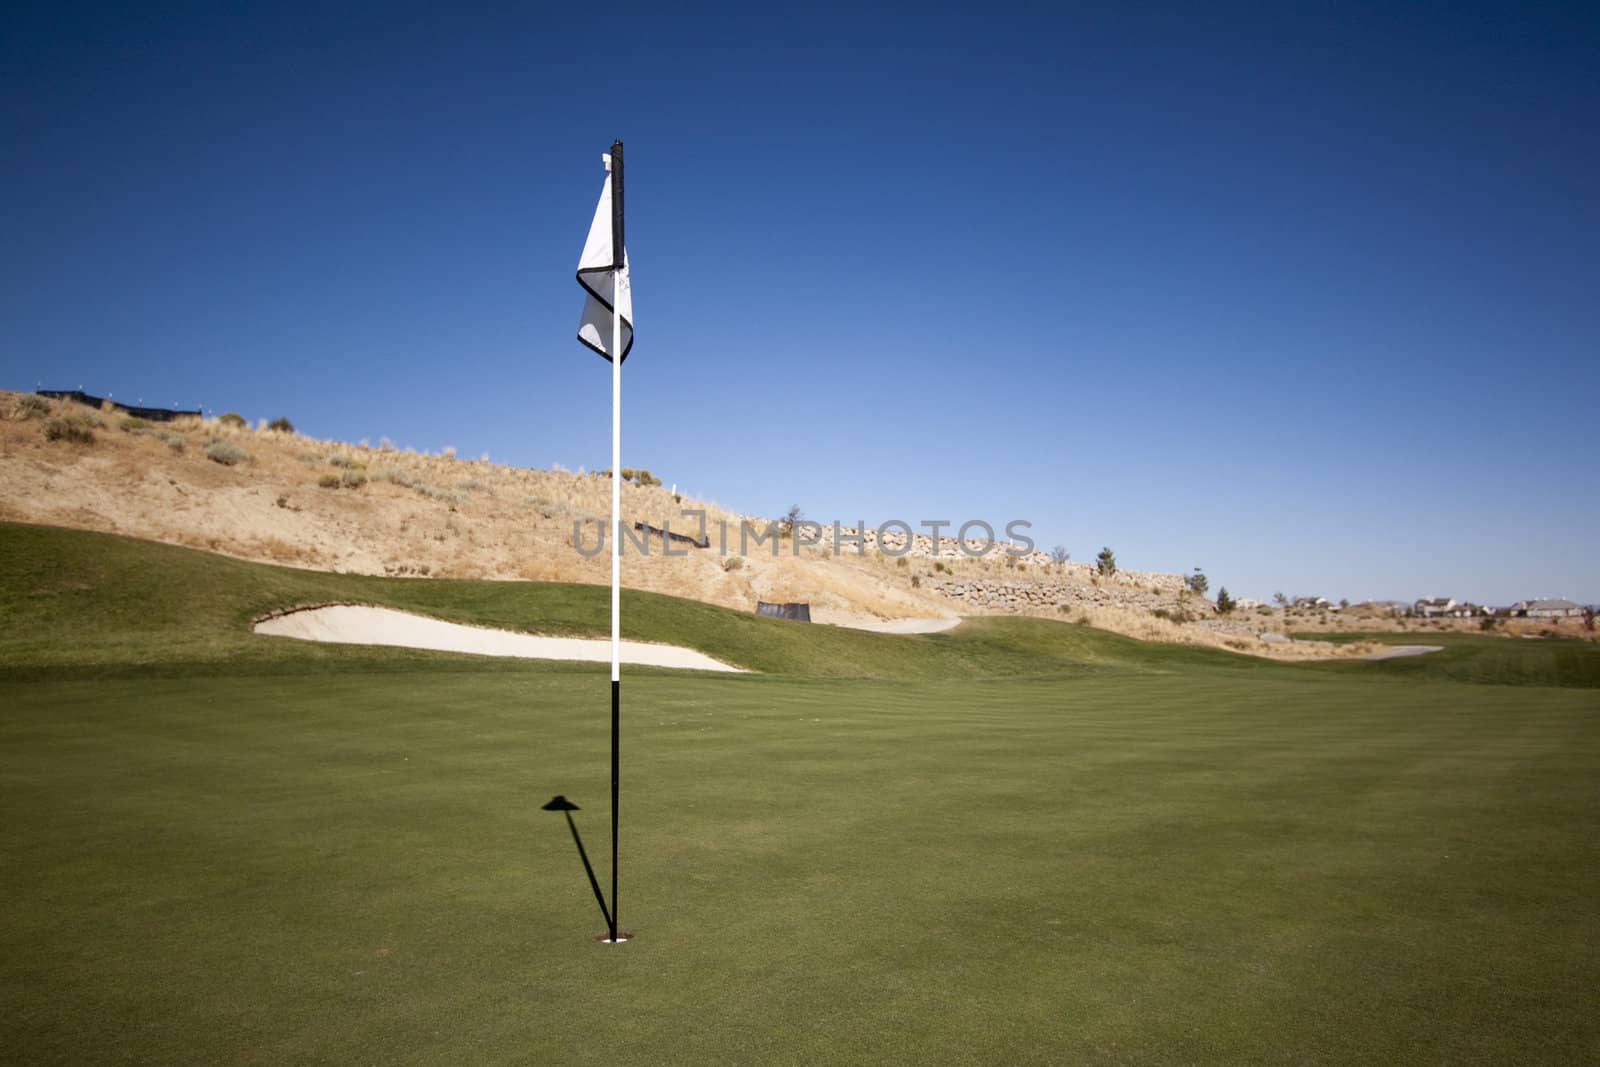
[
  {"x": 596, "y": 263},
  {"x": 618, "y": 279}
]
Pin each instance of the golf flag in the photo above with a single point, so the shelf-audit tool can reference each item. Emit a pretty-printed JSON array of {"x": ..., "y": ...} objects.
[
  {"x": 605, "y": 287},
  {"x": 607, "y": 328}
]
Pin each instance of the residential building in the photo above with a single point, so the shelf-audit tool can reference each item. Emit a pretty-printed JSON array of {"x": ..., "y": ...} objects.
[{"x": 1546, "y": 609}]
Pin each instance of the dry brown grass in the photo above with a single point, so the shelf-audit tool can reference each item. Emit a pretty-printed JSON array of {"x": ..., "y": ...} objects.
[{"x": 436, "y": 515}]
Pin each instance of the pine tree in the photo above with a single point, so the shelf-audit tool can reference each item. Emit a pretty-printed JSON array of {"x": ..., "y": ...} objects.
[
  {"x": 1106, "y": 561},
  {"x": 1224, "y": 601}
]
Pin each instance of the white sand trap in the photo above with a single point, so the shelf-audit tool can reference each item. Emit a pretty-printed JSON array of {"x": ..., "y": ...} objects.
[
  {"x": 1389, "y": 652},
  {"x": 904, "y": 626},
  {"x": 1397, "y": 651},
  {"x": 348, "y": 624}
]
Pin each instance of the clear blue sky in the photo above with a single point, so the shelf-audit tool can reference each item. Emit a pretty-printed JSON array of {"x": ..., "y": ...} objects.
[{"x": 1310, "y": 299}]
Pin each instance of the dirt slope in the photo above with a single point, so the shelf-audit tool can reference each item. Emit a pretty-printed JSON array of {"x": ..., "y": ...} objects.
[{"x": 326, "y": 505}]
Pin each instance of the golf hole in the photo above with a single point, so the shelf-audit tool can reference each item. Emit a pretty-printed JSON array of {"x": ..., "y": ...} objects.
[{"x": 604, "y": 937}]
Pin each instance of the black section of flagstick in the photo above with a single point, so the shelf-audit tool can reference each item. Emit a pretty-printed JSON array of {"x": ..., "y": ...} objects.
[
  {"x": 567, "y": 807},
  {"x": 616, "y": 722},
  {"x": 617, "y": 244}
]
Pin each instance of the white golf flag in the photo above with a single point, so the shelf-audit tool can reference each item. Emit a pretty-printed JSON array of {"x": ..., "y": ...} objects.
[{"x": 601, "y": 284}]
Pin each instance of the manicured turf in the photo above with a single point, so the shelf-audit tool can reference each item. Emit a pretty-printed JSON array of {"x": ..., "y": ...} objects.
[
  {"x": 111, "y": 606},
  {"x": 1484, "y": 659},
  {"x": 259, "y": 851}
]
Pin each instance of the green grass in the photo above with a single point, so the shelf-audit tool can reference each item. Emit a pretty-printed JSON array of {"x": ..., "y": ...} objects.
[
  {"x": 114, "y": 605},
  {"x": 229, "y": 849},
  {"x": 1483, "y": 659}
]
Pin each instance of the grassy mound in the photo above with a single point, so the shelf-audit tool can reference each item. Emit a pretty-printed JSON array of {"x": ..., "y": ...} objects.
[
  {"x": 1565, "y": 662},
  {"x": 102, "y": 602}
]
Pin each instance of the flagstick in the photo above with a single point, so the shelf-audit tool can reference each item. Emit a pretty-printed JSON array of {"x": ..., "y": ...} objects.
[
  {"x": 616, "y": 508},
  {"x": 616, "y": 598}
]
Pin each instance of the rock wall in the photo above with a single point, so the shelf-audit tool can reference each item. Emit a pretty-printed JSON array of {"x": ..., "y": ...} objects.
[
  {"x": 998, "y": 594},
  {"x": 894, "y": 543}
]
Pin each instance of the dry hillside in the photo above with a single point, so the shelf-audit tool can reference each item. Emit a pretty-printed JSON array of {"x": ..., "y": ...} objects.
[{"x": 283, "y": 497}]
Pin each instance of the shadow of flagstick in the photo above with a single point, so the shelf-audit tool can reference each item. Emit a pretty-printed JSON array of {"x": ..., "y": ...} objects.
[{"x": 567, "y": 807}]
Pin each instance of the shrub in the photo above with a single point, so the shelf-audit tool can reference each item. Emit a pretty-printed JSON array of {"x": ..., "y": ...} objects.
[
  {"x": 433, "y": 492},
  {"x": 353, "y": 479},
  {"x": 1487, "y": 623},
  {"x": 132, "y": 423},
  {"x": 1060, "y": 555},
  {"x": 226, "y": 453},
  {"x": 73, "y": 430},
  {"x": 281, "y": 425},
  {"x": 232, "y": 418},
  {"x": 328, "y": 481},
  {"x": 173, "y": 439},
  {"x": 916, "y": 581},
  {"x": 392, "y": 476},
  {"x": 33, "y": 407},
  {"x": 732, "y": 563},
  {"x": 346, "y": 461}
]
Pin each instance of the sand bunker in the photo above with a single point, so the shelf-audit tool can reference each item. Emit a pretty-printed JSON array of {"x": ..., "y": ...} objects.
[
  {"x": 903, "y": 626},
  {"x": 349, "y": 624},
  {"x": 1397, "y": 651}
]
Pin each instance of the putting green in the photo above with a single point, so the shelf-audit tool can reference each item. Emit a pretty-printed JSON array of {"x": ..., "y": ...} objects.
[{"x": 222, "y": 848}]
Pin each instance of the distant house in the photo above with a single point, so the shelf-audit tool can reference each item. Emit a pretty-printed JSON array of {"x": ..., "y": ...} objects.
[
  {"x": 1442, "y": 607},
  {"x": 1315, "y": 603},
  {"x": 1545, "y": 609},
  {"x": 1245, "y": 603}
]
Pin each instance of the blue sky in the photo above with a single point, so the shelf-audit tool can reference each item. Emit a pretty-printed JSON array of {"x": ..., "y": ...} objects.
[{"x": 1308, "y": 298}]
